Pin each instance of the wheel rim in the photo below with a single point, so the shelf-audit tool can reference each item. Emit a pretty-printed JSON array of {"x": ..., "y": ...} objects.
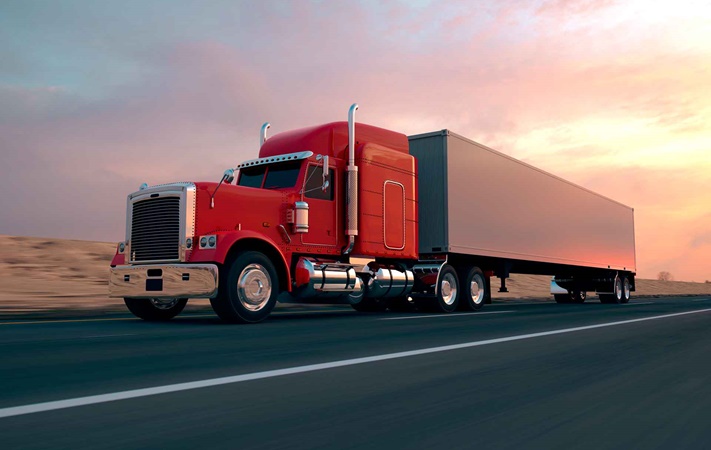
[
  {"x": 618, "y": 289},
  {"x": 626, "y": 290},
  {"x": 448, "y": 288},
  {"x": 164, "y": 303},
  {"x": 254, "y": 287},
  {"x": 476, "y": 289}
]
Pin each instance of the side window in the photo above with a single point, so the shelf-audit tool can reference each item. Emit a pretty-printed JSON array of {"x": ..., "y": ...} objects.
[
  {"x": 282, "y": 175},
  {"x": 314, "y": 181},
  {"x": 251, "y": 176}
]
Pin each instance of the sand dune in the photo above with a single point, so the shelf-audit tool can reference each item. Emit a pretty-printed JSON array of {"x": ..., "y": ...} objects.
[{"x": 38, "y": 274}]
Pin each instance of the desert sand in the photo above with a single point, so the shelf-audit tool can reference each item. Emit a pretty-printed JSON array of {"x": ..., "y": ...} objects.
[{"x": 43, "y": 274}]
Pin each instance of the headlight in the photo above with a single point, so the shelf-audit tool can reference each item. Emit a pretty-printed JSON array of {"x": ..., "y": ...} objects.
[
  {"x": 208, "y": 241},
  {"x": 121, "y": 247}
]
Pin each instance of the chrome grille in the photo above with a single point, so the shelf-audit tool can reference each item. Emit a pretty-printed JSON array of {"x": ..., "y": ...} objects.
[{"x": 155, "y": 230}]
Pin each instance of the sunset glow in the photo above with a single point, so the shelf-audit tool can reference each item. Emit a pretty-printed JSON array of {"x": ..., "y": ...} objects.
[{"x": 98, "y": 97}]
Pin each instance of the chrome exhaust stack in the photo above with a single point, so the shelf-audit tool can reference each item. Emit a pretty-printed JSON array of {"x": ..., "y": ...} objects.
[
  {"x": 263, "y": 133},
  {"x": 352, "y": 194}
]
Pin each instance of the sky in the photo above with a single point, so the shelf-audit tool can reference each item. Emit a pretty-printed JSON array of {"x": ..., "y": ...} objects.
[{"x": 97, "y": 97}]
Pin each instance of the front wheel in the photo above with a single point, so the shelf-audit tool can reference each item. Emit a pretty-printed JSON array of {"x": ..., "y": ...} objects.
[
  {"x": 248, "y": 289},
  {"x": 155, "y": 309}
]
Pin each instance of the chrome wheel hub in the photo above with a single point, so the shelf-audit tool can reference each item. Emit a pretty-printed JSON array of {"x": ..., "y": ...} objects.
[
  {"x": 448, "y": 288},
  {"x": 254, "y": 287},
  {"x": 164, "y": 303},
  {"x": 476, "y": 290}
]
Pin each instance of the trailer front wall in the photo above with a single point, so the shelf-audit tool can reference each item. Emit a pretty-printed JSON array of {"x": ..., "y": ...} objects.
[{"x": 500, "y": 207}]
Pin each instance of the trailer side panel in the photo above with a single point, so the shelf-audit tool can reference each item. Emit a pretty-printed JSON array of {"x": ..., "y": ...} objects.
[{"x": 500, "y": 207}]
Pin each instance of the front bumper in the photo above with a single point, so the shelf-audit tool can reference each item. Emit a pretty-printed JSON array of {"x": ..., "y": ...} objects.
[{"x": 163, "y": 281}]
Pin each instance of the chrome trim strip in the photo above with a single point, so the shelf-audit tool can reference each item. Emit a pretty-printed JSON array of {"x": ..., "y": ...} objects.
[
  {"x": 273, "y": 159},
  {"x": 404, "y": 211},
  {"x": 202, "y": 281}
]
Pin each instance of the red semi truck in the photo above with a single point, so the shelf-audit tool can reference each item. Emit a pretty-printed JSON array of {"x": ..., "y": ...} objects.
[{"x": 435, "y": 214}]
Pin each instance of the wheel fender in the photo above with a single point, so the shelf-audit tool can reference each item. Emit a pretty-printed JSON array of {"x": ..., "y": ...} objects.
[{"x": 226, "y": 241}]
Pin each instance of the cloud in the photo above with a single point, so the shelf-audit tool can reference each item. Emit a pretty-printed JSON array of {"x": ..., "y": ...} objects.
[{"x": 603, "y": 93}]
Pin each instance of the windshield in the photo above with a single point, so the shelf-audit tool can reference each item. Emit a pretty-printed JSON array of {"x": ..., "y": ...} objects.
[{"x": 281, "y": 175}]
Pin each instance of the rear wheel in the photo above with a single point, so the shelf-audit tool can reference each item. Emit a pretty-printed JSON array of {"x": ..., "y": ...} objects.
[
  {"x": 155, "y": 309},
  {"x": 617, "y": 295},
  {"x": 473, "y": 290},
  {"x": 448, "y": 292},
  {"x": 248, "y": 290},
  {"x": 578, "y": 296},
  {"x": 626, "y": 286}
]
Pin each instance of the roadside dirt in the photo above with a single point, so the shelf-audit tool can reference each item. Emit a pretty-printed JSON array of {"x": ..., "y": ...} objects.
[{"x": 42, "y": 274}]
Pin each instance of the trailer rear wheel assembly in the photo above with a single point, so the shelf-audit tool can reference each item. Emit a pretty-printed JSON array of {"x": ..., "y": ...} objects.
[
  {"x": 248, "y": 289},
  {"x": 155, "y": 309},
  {"x": 473, "y": 290}
]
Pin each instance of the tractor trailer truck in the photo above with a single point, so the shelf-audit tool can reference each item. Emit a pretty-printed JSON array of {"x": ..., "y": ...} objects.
[{"x": 436, "y": 216}]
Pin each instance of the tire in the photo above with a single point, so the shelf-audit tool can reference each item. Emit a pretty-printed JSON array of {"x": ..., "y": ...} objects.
[
  {"x": 626, "y": 289},
  {"x": 473, "y": 290},
  {"x": 578, "y": 296},
  {"x": 370, "y": 305},
  {"x": 155, "y": 310},
  {"x": 248, "y": 290},
  {"x": 448, "y": 293},
  {"x": 617, "y": 296}
]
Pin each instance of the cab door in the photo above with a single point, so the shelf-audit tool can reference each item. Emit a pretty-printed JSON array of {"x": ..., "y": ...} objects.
[{"x": 323, "y": 223}]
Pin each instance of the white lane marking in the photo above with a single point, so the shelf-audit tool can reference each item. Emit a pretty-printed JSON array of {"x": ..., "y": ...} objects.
[
  {"x": 437, "y": 316},
  {"x": 701, "y": 300},
  {"x": 179, "y": 387},
  {"x": 641, "y": 303}
]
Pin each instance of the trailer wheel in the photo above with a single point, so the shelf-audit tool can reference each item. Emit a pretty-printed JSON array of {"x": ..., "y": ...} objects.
[
  {"x": 155, "y": 309},
  {"x": 617, "y": 295},
  {"x": 626, "y": 289},
  {"x": 248, "y": 289},
  {"x": 473, "y": 290}
]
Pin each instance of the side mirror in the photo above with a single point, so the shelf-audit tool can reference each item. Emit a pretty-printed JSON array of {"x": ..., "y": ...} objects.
[
  {"x": 326, "y": 183},
  {"x": 229, "y": 176}
]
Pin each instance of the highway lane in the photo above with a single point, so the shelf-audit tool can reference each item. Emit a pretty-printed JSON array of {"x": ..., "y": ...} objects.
[{"x": 638, "y": 384}]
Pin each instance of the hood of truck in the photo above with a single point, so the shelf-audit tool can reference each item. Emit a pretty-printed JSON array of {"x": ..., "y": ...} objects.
[{"x": 240, "y": 208}]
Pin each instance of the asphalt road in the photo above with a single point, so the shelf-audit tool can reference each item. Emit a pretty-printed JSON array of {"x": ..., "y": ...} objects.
[{"x": 514, "y": 375}]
